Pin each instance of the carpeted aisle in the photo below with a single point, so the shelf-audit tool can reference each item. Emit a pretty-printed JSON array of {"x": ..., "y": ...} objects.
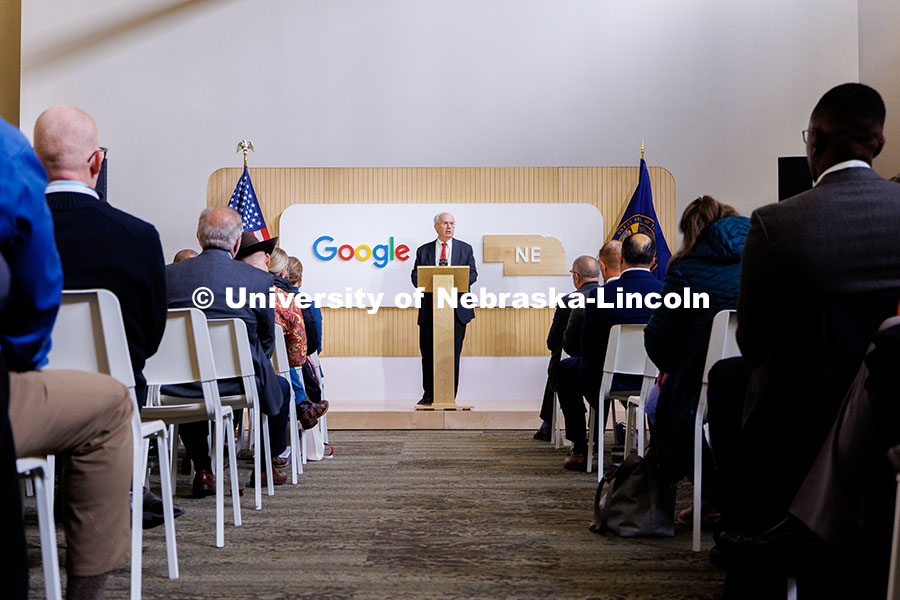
[{"x": 416, "y": 514}]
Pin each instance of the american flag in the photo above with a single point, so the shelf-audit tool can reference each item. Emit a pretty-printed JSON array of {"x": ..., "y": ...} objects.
[{"x": 244, "y": 201}]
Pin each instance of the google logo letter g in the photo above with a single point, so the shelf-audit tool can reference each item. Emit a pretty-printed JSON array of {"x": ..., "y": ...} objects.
[{"x": 380, "y": 254}]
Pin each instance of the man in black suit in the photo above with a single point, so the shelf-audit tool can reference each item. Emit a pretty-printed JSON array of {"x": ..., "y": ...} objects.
[
  {"x": 820, "y": 272},
  {"x": 219, "y": 234},
  {"x": 103, "y": 247},
  {"x": 580, "y": 376},
  {"x": 609, "y": 258},
  {"x": 444, "y": 251}
]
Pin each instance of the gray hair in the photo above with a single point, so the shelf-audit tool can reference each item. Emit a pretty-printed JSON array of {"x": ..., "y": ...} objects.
[
  {"x": 437, "y": 217},
  {"x": 219, "y": 227}
]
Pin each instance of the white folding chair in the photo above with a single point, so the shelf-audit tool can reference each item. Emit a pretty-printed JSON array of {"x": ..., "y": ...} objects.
[
  {"x": 283, "y": 368},
  {"x": 185, "y": 356},
  {"x": 316, "y": 362},
  {"x": 636, "y": 409},
  {"x": 89, "y": 335},
  {"x": 556, "y": 437},
  {"x": 35, "y": 470},
  {"x": 722, "y": 344},
  {"x": 233, "y": 358},
  {"x": 625, "y": 355}
]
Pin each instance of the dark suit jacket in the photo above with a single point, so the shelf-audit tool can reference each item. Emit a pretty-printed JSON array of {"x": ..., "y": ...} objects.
[
  {"x": 460, "y": 254},
  {"x": 598, "y": 321},
  {"x": 103, "y": 247},
  {"x": 820, "y": 272},
  {"x": 570, "y": 336},
  {"x": 216, "y": 270}
]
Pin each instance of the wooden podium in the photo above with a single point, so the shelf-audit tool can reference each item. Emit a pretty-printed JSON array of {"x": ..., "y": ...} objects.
[{"x": 443, "y": 323}]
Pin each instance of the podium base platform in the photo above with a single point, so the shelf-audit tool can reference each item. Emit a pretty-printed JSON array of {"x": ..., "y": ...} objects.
[{"x": 443, "y": 407}]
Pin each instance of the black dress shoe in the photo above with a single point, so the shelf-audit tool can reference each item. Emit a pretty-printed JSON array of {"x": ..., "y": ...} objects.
[
  {"x": 153, "y": 510},
  {"x": 204, "y": 484},
  {"x": 425, "y": 401},
  {"x": 542, "y": 435},
  {"x": 789, "y": 543}
]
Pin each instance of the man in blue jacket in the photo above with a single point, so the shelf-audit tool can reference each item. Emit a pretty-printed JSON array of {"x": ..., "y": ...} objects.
[{"x": 579, "y": 377}]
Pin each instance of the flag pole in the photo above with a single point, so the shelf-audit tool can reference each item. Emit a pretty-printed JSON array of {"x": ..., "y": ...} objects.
[
  {"x": 642, "y": 150},
  {"x": 245, "y": 146}
]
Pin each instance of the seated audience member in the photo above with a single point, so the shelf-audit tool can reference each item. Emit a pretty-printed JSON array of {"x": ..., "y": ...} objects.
[
  {"x": 677, "y": 338},
  {"x": 558, "y": 327},
  {"x": 843, "y": 513},
  {"x": 103, "y": 247},
  {"x": 184, "y": 255},
  {"x": 84, "y": 419},
  {"x": 219, "y": 234},
  {"x": 291, "y": 320},
  {"x": 312, "y": 322},
  {"x": 580, "y": 376},
  {"x": 819, "y": 273}
]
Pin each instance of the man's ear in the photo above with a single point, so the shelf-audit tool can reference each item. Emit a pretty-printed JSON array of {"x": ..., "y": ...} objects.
[
  {"x": 96, "y": 164},
  {"x": 880, "y": 147},
  {"x": 236, "y": 247}
]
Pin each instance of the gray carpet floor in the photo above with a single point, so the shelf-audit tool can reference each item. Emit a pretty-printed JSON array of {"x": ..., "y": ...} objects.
[{"x": 416, "y": 514}]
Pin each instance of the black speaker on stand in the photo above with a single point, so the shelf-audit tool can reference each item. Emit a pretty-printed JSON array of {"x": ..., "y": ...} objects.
[
  {"x": 101, "y": 180},
  {"x": 793, "y": 176}
]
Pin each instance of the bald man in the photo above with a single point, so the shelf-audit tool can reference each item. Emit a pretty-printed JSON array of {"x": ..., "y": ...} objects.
[
  {"x": 101, "y": 246},
  {"x": 579, "y": 377},
  {"x": 610, "y": 257},
  {"x": 444, "y": 251}
]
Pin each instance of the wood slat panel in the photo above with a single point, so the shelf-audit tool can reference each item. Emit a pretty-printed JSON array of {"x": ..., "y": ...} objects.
[{"x": 494, "y": 332}]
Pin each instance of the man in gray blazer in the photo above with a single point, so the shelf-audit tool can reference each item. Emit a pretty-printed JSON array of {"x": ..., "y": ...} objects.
[
  {"x": 219, "y": 234},
  {"x": 820, "y": 272}
]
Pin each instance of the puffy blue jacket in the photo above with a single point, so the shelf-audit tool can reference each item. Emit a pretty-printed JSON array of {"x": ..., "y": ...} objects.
[{"x": 677, "y": 339}]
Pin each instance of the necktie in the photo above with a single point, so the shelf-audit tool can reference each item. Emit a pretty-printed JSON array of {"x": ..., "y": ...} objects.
[{"x": 444, "y": 252}]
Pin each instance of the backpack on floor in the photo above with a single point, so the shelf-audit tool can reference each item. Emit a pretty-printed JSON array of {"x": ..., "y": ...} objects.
[{"x": 635, "y": 503}]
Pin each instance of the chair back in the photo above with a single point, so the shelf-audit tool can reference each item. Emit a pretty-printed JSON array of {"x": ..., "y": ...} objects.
[
  {"x": 625, "y": 353},
  {"x": 231, "y": 348},
  {"x": 89, "y": 335},
  {"x": 280, "y": 357},
  {"x": 185, "y": 354},
  {"x": 722, "y": 340}
]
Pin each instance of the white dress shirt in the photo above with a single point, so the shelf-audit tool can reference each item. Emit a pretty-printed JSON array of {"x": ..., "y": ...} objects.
[{"x": 437, "y": 252}]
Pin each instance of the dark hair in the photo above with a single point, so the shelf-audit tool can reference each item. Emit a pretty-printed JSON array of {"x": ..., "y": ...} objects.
[
  {"x": 851, "y": 116},
  {"x": 636, "y": 252},
  {"x": 697, "y": 216},
  {"x": 851, "y": 102}
]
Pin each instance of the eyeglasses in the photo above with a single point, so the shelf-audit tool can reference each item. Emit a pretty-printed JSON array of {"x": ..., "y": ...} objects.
[
  {"x": 574, "y": 272},
  {"x": 102, "y": 150},
  {"x": 805, "y": 134}
]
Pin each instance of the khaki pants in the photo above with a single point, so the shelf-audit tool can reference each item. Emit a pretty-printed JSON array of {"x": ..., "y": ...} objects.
[{"x": 85, "y": 420}]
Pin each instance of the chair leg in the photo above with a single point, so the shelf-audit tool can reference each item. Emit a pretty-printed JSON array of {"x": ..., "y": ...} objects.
[
  {"x": 303, "y": 451},
  {"x": 792, "y": 588},
  {"x": 296, "y": 459},
  {"x": 601, "y": 431},
  {"x": 232, "y": 464},
  {"x": 268, "y": 454},
  {"x": 323, "y": 424},
  {"x": 168, "y": 505},
  {"x": 629, "y": 423},
  {"x": 641, "y": 428},
  {"x": 590, "y": 442},
  {"x": 47, "y": 528},
  {"x": 51, "y": 478},
  {"x": 257, "y": 463},
  {"x": 218, "y": 430},
  {"x": 698, "y": 481},
  {"x": 137, "y": 507},
  {"x": 173, "y": 452}
]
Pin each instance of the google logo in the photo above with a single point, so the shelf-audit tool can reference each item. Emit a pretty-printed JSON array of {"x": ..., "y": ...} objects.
[{"x": 380, "y": 254}]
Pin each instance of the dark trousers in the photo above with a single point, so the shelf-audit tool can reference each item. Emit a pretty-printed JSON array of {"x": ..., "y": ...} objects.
[
  {"x": 573, "y": 388},
  {"x": 426, "y": 342},
  {"x": 14, "y": 568},
  {"x": 194, "y": 435}
]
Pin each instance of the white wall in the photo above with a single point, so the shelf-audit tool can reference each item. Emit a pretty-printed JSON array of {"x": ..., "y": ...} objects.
[
  {"x": 879, "y": 66},
  {"x": 717, "y": 89}
]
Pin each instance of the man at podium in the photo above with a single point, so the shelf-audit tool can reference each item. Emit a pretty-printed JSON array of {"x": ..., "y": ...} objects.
[{"x": 445, "y": 251}]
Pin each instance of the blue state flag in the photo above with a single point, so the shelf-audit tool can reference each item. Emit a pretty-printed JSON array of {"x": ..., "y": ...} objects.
[
  {"x": 245, "y": 202},
  {"x": 640, "y": 217}
]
